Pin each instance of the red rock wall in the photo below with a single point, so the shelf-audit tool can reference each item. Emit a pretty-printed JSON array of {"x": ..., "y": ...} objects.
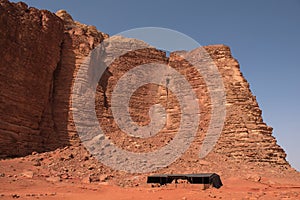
[
  {"x": 40, "y": 56},
  {"x": 79, "y": 40},
  {"x": 244, "y": 137},
  {"x": 30, "y": 42},
  {"x": 40, "y": 53}
]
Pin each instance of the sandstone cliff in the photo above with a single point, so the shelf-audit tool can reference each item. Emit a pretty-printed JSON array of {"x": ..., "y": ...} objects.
[
  {"x": 245, "y": 137},
  {"x": 40, "y": 55},
  {"x": 30, "y": 42}
]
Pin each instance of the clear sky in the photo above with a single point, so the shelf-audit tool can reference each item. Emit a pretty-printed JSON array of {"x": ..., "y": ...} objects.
[{"x": 262, "y": 35}]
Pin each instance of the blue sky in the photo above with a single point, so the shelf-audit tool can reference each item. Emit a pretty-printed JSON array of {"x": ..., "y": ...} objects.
[{"x": 262, "y": 35}]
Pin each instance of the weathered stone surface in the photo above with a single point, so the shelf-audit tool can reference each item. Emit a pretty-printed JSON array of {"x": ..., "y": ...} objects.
[
  {"x": 244, "y": 137},
  {"x": 40, "y": 57},
  {"x": 30, "y": 41},
  {"x": 78, "y": 41}
]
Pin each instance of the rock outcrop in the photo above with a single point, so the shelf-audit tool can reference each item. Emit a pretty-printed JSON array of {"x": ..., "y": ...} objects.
[
  {"x": 248, "y": 137},
  {"x": 245, "y": 136},
  {"x": 40, "y": 55},
  {"x": 78, "y": 41},
  {"x": 30, "y": 42}
]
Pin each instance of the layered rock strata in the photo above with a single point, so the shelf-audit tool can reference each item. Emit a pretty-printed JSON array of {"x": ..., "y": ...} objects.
[{"x": 40, "y": 57}]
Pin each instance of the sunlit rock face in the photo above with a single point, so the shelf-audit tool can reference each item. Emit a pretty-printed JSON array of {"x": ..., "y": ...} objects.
[{"x": 41, "y": 53}]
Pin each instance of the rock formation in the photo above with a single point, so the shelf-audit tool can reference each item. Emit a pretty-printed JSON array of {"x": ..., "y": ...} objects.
[
  {"x": 40, "y": 55},
  {"x": 30, "y": 52},
  {"x": 244, "y": 137},
  {"x": 40, "y": 52}
]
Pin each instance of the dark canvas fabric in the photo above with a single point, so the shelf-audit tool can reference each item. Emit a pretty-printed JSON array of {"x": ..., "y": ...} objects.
[{"x": 215, "y": 181}]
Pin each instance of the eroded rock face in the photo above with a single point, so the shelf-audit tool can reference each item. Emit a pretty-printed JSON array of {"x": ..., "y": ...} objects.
[
  {"x": 30, "y": 42},
  {"x": 40, "y": 56},
  {"x": 248, "y": 137},
  {"x": 245, "y": 136},
  {"x": 78, "y": 41}
]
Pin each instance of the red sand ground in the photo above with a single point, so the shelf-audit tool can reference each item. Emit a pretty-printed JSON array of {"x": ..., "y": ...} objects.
[{"x": 21, "y": 179}]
